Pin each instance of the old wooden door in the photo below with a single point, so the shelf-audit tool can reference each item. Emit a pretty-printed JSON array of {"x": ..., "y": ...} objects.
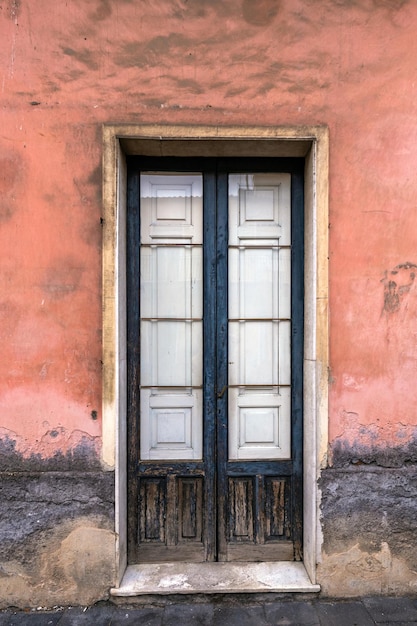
[{"x": 215, "y": 340}]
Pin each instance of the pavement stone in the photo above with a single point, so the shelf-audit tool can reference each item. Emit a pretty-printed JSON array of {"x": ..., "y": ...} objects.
[
  {"x": 373, "y": 611},
  {"x": 144, "y": 617},
  {"x": 291, "y": 613},
  {"x": 185, "y": 614},
  {"x": 26, "y": 618},
  {"x": 239, "y": 616},
  {"x": 393, "y": 610},
  {"x": 343, "y": 614}
]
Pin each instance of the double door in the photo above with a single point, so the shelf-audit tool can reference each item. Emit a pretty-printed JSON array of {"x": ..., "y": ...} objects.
[{"x": 215, "y": 327}]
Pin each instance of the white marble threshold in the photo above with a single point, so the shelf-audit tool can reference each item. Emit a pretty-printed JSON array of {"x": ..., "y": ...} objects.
[{"x": 189, "y": 578}]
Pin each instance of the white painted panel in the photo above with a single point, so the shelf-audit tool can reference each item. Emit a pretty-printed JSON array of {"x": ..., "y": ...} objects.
[
  {"x": 259, "y": 289},
  {"x": 171, "y": 353},
  {"x": 171, "y": 282},
  {"x": 259, "y": 424},
  {"x": 253, "y": 353},
  {"x": 260, "y": 207},
  {"x": 171, "y": 427},
  {"x": 253, "y": 283},
  {"x": 171, "y": 424},
  {"x": 171, "y": 208},
  {"x": 171, "y": 305}
]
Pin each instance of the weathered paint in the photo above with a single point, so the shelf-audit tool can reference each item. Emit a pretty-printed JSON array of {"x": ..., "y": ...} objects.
[{"x": 69, "y": 67}]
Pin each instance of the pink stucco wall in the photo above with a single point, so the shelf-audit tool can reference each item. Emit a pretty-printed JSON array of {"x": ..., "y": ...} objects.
[{"x": 67, "y": 67}]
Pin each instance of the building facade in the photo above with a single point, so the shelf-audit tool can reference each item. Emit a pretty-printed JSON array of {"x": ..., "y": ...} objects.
[{"x": 208, "y": 297}]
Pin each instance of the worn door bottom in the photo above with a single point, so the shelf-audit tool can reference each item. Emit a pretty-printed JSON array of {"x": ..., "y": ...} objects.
[{"x": 205, "y": 578}]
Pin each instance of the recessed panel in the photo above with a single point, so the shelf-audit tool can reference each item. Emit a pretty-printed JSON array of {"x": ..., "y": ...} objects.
[
  {"x": 171, "y": 208},
  {"x": 152, "y": 510},
  {"x": 259, "y": 423},
  {"x": 258, "y": 204},
  {"x": 171, "y": 424},
  {"x": 171, "y": 428},
  {"x": 259, "y": 208},
  {"x": 241, "y": 509},
  {"x": 171, "y": 203},
  {"x": 258, "y": 427}
]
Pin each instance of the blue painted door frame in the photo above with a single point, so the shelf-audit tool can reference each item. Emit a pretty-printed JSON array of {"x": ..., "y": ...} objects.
[{"x": 203, "y": 490}]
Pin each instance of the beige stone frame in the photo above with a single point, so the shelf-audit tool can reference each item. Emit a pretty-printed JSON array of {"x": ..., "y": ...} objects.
[{"x": 310, "y": 142}]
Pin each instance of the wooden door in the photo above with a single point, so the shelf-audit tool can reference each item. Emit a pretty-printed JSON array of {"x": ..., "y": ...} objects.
[{"x": 214, "y": 291}]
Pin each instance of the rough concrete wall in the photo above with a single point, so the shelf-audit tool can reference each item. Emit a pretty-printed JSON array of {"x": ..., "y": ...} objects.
[
  {"x": 369, "y": 518},
  {"x": 57, "y": 539},
  {"x": 69, "y": 67}
]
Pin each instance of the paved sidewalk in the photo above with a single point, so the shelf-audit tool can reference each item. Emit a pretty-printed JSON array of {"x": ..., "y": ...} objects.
[{"x": 228, "y": 612}]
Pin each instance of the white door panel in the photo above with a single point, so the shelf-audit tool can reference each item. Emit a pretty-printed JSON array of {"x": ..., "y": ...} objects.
[
  {"x": 171, "y": 354},
  {"x": 259, "y": 316}
]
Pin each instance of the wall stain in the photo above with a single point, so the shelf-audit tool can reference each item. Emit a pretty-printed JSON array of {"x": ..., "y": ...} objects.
[
  {"x": 189, "y": 85},
  {"x": 397, "y": 282},
  {"x": 8, "y": 173},
  {"x": 62, "y": 279},
  {"x": 392, "y": 5},
  {"x": 66, "y": 77},
  {"x": 11, "y": 172},
  {"x": 189, "y": 9},
  {"x": 158, "y": 50},
  {"x": 6, "y": 212},
  {"x": 14, "y": 10},
  {"x": 261, "y": 12},
  {"x": 82, "y": 457},
  {"x": 103, "y": 11},
  {"x": 86, "y": 57},
  {"x": 344, "y": 453}
]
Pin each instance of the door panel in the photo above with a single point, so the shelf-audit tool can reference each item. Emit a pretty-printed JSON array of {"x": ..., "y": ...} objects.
[
  {"x": 171, "y": 311},
  {"x": 259, "y": 229},
  {"x": 259, "y": 520},
  {"x": 171, "y": 510},
  {"x": 215, "y": 355}
]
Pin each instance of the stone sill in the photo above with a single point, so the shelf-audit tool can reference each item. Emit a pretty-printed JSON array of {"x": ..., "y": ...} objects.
[{"x": 205, "y": 578}]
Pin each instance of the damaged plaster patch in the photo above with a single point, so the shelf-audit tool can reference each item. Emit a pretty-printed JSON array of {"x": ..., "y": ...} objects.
[
  {"x": 82, "y": 566},
  {"x": 73, "y": 565},
  {"x": 397, "y": 283},
  {"x": 369, "y": 525},
  {"x": 56, "y": 535},
  {"x": 355, "y": 573}
]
